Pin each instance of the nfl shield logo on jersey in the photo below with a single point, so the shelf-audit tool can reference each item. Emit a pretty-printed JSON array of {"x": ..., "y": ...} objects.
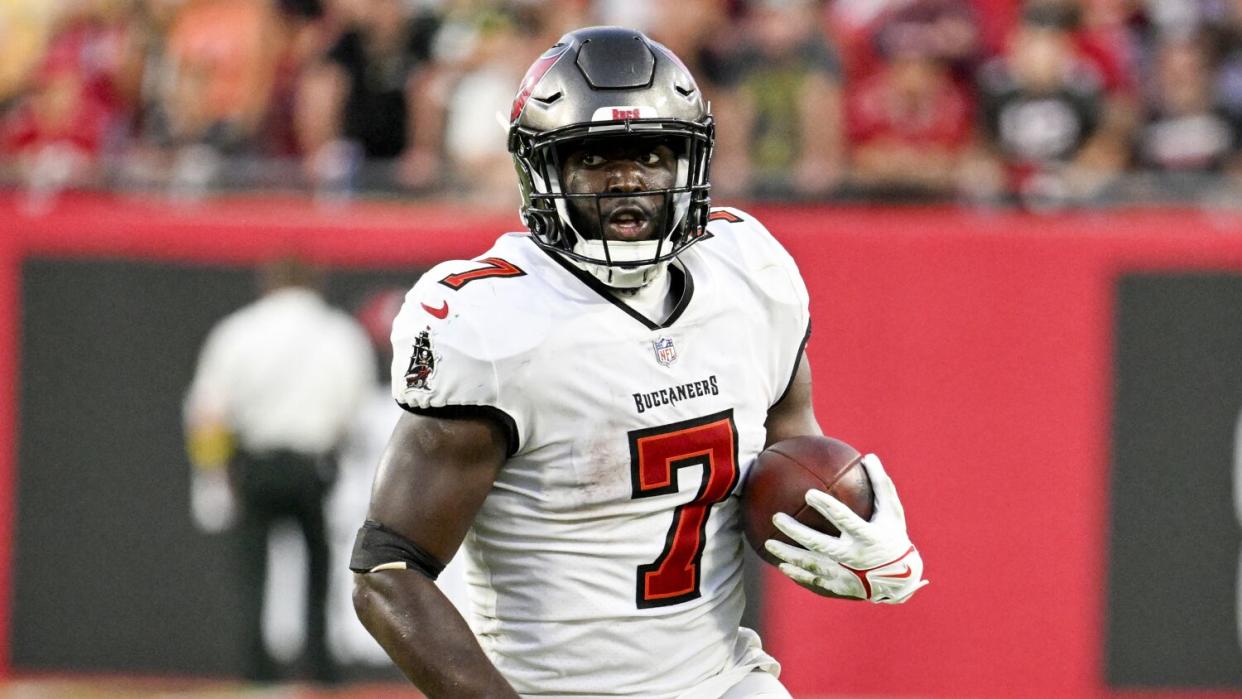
[{"x": 665, "y": 352}]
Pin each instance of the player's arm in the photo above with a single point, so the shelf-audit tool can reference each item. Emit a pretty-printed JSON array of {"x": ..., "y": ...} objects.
[
  {"x": 794, "y": 414},
  {"x": 431, "y": 482}
]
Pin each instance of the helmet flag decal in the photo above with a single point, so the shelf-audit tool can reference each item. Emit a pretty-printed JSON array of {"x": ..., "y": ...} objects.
[
  {"x": 422, "y": 362},
  {"x": 536, "y": 72}
]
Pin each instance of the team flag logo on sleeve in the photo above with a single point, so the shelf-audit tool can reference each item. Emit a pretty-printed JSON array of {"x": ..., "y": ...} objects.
[{"x": 422, "y": 363}]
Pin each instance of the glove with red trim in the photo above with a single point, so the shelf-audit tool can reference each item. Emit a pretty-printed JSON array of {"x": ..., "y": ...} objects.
[{"x": 870, "y": 560}]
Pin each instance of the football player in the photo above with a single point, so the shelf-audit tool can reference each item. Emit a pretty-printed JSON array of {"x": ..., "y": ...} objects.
[{"x": 583, "y": 402}]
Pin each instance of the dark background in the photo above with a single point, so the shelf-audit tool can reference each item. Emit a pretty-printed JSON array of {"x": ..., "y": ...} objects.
[
  {"x": 110, "y": 573},
  {"x": 1172, "y": 609}
]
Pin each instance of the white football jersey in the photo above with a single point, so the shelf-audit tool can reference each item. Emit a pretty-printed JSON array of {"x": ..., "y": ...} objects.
[{"x": 607, "y": 558}]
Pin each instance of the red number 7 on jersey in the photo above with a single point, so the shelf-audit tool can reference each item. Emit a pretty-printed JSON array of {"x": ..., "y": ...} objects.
[
  {"x": 657, "y": 455},
  {"x": 492, "y": 267}
]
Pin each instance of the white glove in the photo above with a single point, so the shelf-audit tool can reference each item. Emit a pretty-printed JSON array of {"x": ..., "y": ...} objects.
[
  {"x": 870, "y": 560},
  {"x": 211, "y": 501}
]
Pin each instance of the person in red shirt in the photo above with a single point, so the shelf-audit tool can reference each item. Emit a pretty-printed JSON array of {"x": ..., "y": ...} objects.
[
  {"x": 910, "y": 123},
  {"x": 75, "y": 109}
]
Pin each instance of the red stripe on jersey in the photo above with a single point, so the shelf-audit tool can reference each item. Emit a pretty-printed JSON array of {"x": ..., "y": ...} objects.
[{"x": 722, "y": 215}]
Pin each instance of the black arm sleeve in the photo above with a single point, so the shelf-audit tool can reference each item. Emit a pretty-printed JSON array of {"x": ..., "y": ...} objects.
[{"x": 376, "y": 545}]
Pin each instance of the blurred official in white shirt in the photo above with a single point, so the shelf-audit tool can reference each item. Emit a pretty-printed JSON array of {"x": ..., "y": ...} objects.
[{"x": 277, "y": 385}]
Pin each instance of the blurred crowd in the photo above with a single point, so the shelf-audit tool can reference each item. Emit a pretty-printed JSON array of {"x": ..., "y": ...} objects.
[{"x": 1036, "y": 102}]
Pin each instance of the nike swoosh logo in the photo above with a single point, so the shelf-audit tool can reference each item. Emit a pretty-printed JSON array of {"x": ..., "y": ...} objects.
[
  {"x": 441, "y": 312},
  {"x": 897, "y": 576}
]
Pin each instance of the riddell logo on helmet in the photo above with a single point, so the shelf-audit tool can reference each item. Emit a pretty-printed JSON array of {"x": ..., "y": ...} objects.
[{"x": 623, "y": 112}]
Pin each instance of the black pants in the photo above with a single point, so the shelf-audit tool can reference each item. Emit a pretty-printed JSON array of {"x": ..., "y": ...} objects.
[{"x": 271, "y": 487}]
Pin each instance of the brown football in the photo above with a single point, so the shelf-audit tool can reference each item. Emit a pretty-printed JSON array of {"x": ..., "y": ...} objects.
[{"x": 781, "y": 475}]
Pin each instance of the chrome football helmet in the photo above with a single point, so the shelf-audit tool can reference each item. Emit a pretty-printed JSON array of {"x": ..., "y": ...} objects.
[{"x": 610, "y": 83}]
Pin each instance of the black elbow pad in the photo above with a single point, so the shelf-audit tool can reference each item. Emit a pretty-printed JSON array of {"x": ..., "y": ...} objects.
[{"x": 377, "y": 545}]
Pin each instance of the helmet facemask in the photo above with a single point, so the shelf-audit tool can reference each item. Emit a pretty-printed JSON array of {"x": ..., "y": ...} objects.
[{"x": 573, "y": 224}]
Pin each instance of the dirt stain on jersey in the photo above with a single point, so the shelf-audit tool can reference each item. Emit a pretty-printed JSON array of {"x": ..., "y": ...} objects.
[{"x": 601, "y": 467}]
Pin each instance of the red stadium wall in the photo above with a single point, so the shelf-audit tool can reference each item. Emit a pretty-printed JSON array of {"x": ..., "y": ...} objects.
[
  {"x": 973, "y": 353},
  {"x": 971, "y": 350}
]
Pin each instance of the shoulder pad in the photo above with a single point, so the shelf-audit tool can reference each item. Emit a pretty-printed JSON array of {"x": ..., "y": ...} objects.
[
  {"x": 761, "y": 257},
  {"x": 459, "y": 327}
]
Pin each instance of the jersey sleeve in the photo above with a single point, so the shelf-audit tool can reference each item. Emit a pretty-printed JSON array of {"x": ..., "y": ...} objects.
[
  {"x": 777, "y": 280},
  {"x": 445, "y": 361}
]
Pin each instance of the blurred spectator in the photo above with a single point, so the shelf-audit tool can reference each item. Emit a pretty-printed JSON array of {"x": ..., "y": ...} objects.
[
  {"x": 1042, "y": 106},
  {"x": 377, "y": 94},
  {"x": 853, "y": 24},
  {"x": 947, "y": 30},
  {"x": 790, "y": 105},
  {"x": 910, "y": 123},
  {"x": 306, "y": 31},
  {"x": 368, "y": 97},
  {"x": 478, "y": 79},
  {"x": 1184, "y": 131},
  {"x": 636, "y": 14},
  {"x": 146, "y": 160},
  {"x": 1105, "y": 36},
  {"x": 77, "y": 104},
  {"x": 702, "y": 35},
  {"x": 216, "y": 85},
  {"x": 552, "y": 19},
  {"x": 1224, "y": 29},
  {"x": 277, "y": 385},
  {"x": 1180, "y": 17},
  {"x": 25, "y": 28}
]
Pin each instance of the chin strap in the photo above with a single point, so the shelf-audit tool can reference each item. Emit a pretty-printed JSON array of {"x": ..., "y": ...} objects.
[
  {"x": 623, "y": 278},
  {"x": 620, "y": 275}
]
